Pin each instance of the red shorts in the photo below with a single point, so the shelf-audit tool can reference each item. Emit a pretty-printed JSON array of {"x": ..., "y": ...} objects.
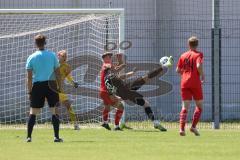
[
  {"x": 107, "y": 100},
  {"x": 192, "y": 93}
]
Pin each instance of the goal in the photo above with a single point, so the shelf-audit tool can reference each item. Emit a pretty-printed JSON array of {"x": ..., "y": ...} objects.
[{"x": 84, "y": 33}]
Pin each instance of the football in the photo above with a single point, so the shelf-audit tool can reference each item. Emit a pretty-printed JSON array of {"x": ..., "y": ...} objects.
[{"x": 164, "y": 60}]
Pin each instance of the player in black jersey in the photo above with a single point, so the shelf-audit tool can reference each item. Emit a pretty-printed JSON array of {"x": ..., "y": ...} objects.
[{"x": 128, "y": 90}]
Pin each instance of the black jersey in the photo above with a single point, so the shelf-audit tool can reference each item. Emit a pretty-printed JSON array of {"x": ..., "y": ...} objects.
[{"x": 113, "y": 82}]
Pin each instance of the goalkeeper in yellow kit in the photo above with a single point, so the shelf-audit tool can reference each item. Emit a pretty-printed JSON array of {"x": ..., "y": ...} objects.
[{"x": 65, "y": 73}]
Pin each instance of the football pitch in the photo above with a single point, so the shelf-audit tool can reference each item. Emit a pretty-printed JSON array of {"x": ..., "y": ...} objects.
[{"x": 100, "y": 144}]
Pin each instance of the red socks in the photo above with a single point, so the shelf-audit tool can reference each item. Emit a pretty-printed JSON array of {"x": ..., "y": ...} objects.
[
  {"x": 195, "y": 120},
  {"x": 118, "y": 116},
  {"x": 183, "y": 119},
  {"x": 105, "y": 114},
  {"x": 196, "y": 116}
]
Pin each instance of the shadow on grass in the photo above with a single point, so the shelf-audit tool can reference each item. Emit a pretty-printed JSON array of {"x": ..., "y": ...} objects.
[{"x": 142, "y": 130}]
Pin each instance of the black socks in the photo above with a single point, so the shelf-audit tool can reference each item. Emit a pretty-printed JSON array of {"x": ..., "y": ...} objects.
[
  {"x": 30, "y": 125},
  {"x": 149, "y": 113},
  {"x": 55, "y": 123},
  {"x": 32, "y": 120}
]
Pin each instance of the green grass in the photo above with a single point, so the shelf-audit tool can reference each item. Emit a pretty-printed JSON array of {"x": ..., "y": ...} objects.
[{"x": 100, "y": 144}]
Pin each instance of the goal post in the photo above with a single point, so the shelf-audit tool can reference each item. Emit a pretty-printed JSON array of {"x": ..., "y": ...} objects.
[
  {"x": 119, "y": 11},
  {"x": 65, "y": 10},
  {"x": 82, "y": 32}
]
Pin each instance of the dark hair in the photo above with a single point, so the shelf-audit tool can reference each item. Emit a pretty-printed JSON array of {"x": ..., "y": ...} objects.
[
  {"x": 193, "y": 42},
  {"x": 40, "y": 40}
]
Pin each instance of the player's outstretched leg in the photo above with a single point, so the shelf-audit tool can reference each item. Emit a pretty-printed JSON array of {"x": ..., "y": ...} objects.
[
  {"x": 138, "y": 83},
  {"x": 138, "y": 99},
  {"x": 168, "y": 62},
  {"x": 151, "y": 116}
]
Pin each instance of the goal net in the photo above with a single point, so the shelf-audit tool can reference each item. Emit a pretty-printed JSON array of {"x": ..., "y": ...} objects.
[{"x": 83, "y": 34}]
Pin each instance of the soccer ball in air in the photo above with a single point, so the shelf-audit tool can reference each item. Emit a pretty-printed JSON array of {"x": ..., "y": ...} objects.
[{"x": 166, "y": 61}]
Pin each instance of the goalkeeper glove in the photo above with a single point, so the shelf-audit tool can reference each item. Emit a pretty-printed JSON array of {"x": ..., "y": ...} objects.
[{"x": 75, "y": 84}]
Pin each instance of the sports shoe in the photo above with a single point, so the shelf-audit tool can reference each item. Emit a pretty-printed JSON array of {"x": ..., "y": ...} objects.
[
  {"x": 195, "y": 131},
  {"x": 117, "y": 129},
  {"x": 166, "y": 61},
  {"x": 160, "y": 127},
  {"x": 124, "y": 126},
  {"x": 105, "y": 125},
  {"x": 76, "y": 127},
  {"x": 29, "y": 139},
  {"x": 182, "y": 133},
  {"x": 58, "y": 140}
]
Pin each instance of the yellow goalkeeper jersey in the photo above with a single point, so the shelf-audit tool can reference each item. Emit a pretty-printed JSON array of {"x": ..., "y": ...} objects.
[{"x": 65, "y": 73}]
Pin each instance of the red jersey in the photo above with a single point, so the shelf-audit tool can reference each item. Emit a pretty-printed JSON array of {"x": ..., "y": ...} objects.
[
  {"x": 187, "y": 64},
  {"x": 103, "y": 87}
]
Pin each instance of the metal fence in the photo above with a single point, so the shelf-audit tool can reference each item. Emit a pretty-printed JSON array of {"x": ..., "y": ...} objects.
[{"x": 161, "y": 27}]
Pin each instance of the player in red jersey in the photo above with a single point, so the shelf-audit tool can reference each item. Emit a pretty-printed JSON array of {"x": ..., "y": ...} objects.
[
  {"x": 106, "y": 92},
  {"x": 190, "y": 68}
]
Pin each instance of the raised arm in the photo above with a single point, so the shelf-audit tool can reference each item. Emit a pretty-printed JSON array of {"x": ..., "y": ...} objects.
[
  {"x": 126, "y": 75},
  {"x": 69, "y": 77},
  {"x": 115, "y": 68},
  {"x": 129, "y": 74},
  {"x": 121, "y": 65}
]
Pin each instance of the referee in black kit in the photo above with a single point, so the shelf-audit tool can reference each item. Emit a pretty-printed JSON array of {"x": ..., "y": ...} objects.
[{"x": 42, "y": 72}]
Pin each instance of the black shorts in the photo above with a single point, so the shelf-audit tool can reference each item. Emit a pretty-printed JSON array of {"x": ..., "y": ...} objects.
[
  {"x": 42, "y": 91},
  {"x": 132, "y": 95},
  {"x": 127, "y": 91}
]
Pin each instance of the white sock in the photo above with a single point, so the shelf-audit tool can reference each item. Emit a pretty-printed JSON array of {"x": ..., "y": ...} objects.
[
  {"x": 105, "y": 122},
  {"x": 156, "y": 122}
]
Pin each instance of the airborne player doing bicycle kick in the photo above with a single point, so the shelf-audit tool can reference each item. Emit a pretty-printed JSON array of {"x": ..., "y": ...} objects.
[{"x": 117, "y": 89}]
